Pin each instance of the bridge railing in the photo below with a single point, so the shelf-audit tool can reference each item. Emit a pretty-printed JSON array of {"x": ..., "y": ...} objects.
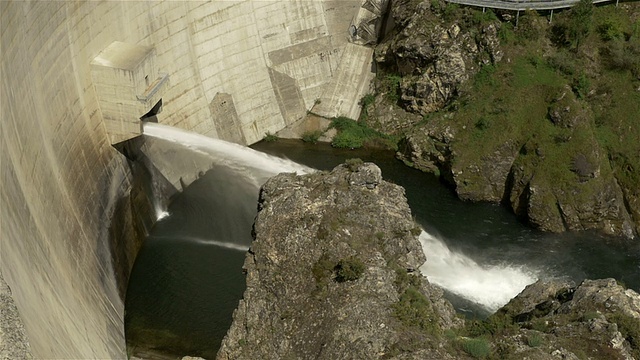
[{"x": 521, "y": 5}]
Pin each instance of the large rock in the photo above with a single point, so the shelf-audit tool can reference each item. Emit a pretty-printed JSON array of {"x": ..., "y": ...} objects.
[
  {"x": 558, "y": 320},
  {"x": 325, "y": 273},
  {"x": 13, "y": 338},
  {"x": 434, "y": 56}
]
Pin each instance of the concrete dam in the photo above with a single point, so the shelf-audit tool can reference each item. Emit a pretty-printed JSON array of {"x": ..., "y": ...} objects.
[{"x": 78, "y": 77}]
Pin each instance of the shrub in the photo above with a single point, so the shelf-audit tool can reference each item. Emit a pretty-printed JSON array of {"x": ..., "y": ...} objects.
[
  {"x": 390, "y": 86},
  {"x": 534, "y": 340},
  {"x": 580, "y": 21},
  {"x": 496, "y": 324},
  {"x": 450, "y": 12},
  {"x": 269, "y": 137},
  {"x": 563, "y": 62},
  {"x": 479, "y": 348},
  {"x": 353, "y": 134},
  {"x": 581, "y": 86},
  {"x": 610, "y": 29},
  {"x": 311, "y": 136},
  {"x": 414, "y": 310},
  {"x": 629, "y": 327},
  {"x": 623, "y": 55},
  {"x": 506, "y": 34},
  {"x": 354, "y": 164},
  {"x": 367, "y": 100},
  {"x": 482, "y": 18},
  {"x": 349, "y": 269},
  {"x": 529, "y": 28}
]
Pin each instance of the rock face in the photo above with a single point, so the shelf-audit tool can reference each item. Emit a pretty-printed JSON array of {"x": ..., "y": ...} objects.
[
  {"x": 13, "y": 339},
  {"x": 433, "y": 56},
  {"x": 333, "y": 273},
  {"x": 558, "y": 320},
  {"x": 560, "y": 176}
]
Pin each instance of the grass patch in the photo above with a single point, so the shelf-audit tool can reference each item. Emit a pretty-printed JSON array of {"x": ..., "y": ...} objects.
[
  {"x": 312, "y": 136},
  {"x": 349, "y": 269},
  {"x": 478, "y": 348},
  {"x": 269, "y": 137},
  {"x": 355, "y": 134},
  {"x": 535, "y": 340}
]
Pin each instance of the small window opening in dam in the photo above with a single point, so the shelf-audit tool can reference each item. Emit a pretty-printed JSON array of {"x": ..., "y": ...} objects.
[{"x": 151, "y": 114}]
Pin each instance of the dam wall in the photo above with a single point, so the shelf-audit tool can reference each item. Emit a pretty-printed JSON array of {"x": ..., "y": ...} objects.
[{"x": 234, "y": 70}]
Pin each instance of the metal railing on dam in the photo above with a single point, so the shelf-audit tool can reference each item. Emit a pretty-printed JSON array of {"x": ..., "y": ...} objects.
[{"x": 521, "y": 5}]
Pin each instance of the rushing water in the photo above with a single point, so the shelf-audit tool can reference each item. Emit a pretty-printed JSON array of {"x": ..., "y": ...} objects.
[
  {"x": 187, "y": 278},
  {"x": 481, "y": 251}
]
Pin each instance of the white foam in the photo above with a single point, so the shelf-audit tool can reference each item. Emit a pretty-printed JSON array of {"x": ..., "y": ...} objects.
[
  {"x": 161, "y": 214},
  {"x": 203, "y": 241},
  {"x": 235, "y": 156},
  {"x": 490, "y": 286}
]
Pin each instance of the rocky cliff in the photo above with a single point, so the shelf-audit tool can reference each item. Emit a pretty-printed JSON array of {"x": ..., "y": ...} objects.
[
  {"x": 333, "y": 273},
  {"x": 550, "y": 132}
]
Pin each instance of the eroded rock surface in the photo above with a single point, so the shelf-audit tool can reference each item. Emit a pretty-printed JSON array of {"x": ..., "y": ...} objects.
[
  {"x": 598, "y": 319},
  {"x": 13, "y": 338},
  {"x": 433, "y": 56},
  {"x": 334, "y": 259}
]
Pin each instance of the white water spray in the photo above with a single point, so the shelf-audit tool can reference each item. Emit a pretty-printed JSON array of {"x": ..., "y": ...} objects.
[
  {"x": 160, "y": 214},
  {"x": 234, "y": 156},
  {"x": 211, "y": 242},
  {"x": 492, "y": 286}
]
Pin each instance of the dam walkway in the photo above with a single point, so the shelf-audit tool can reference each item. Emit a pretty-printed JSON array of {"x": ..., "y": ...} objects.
[{"x": 521, "y": 5}]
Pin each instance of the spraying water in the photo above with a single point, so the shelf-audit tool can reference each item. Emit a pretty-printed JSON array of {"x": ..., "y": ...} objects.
[
  {"x": 491, "y": 286},
  {"x": 249, "y": 162},
  {"x": 203, "y": 241}
]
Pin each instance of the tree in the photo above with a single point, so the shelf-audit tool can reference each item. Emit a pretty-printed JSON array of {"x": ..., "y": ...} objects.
[{"x": 579, "y": 22}]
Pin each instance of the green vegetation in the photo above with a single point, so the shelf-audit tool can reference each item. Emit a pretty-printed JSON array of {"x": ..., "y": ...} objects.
[
  {"x": 312, "y": 136},
  {"x": 479, "y": 348},
  {"x": 534, "y": 340},
  {"x": 629, "y": 327},
  {"x": 390, "y": 86},
  {"x": 355, "y": 134},
  {"x": 354, "y": 163},
  {"x": 365, "y": 102},
  {"x": 269, "y": 137},
  {"x": 413, "y": 308},
  {"x": 327, "y": 268},
  {"x": 349, "y": 269}
]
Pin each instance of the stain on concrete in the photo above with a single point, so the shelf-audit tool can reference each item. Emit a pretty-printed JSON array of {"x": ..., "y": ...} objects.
[
  {"x": 288, "y": 96},
  {"x": 225, "y": 118}
]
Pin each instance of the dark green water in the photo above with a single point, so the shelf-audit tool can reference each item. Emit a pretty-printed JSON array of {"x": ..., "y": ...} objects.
[{"x": 185, "y": 285}]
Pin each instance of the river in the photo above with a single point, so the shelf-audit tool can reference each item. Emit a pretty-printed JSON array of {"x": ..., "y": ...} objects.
[{"x": 187, "y": 278}]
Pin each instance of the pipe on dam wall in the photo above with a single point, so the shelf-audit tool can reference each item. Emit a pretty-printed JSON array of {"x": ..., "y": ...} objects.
[{"x": 62, "y": 181}]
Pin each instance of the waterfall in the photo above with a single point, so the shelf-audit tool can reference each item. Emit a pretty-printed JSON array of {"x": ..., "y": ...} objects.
[
  {"x": 239, "y": 158},
  {"x": 489, "y": 286}
]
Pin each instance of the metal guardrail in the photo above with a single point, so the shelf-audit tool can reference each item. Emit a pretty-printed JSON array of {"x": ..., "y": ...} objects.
[{"x": 521, "y": 5}]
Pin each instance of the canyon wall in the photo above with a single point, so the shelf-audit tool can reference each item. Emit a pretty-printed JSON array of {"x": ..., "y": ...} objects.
[{"x": 234, "y": 69}]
